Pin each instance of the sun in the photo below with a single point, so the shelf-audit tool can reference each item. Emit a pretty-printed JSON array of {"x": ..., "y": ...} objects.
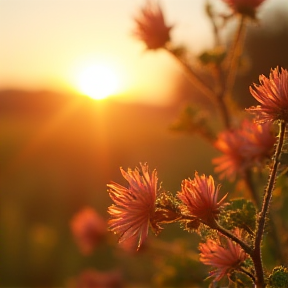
[{"x": 98, "y": 81}]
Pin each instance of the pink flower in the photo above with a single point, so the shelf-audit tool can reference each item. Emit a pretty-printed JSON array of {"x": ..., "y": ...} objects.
[
  {"x": 245, "y": 7},
  {"x": 199, "y": 198},
  {"x": 89, "y": 229},
  {"x": 272, "y": 93},
  {"x": 151, "y": 27},
  {"x": 242, "y": 148},
  {"x": 134, "y": 207},
  {"x": 95, "y": 279},
  {"x": 224, "y": 258}
]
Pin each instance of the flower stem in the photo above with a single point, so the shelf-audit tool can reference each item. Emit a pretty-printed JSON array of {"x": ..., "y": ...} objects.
[
  {"x": 251, "y": 188},
  {"x": 255, "y": 197},
  {"x": 228, "y": 234},
  {"x": 204, "y": 89},
  {"x": 250, "y": 275},
  {"x": 193, "y": 77},
  {"x": 265, "y": 207},
  {"x": 234, "y": 58}
]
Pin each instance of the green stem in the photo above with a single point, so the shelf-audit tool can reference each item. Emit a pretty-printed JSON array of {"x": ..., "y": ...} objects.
[{"x": 257, "y": 259}]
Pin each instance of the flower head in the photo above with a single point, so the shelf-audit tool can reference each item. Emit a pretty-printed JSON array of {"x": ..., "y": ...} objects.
[
  {"x": 134, "y": 207},
  {"x": 89, "y": 229},
  {"x": 243, "y": 148},
  {"x": 244, "y": 7},
  {"x": 151, "y": 27},
  {"x": 224, "y": 259},
  {"x": 200, "y": 198},
  {"x": 272, "y": 93}
]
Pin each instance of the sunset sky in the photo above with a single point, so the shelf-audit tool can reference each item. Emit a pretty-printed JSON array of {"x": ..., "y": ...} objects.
[{"x": 48, "y": 44}]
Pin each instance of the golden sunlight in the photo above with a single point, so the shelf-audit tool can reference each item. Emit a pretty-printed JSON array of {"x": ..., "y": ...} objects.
[{"x": 98, "y": 81}]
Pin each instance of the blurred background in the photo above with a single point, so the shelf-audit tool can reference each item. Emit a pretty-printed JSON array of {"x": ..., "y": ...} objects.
[{"x": 79, "y": 98}]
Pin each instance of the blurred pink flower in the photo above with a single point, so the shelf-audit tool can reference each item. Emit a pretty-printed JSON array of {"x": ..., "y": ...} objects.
[
  {"x": 242, "y": 148},
  {"x": 96, "y": 279},
  {"x": 199, "y": 198},
  {"x": 89, "y": 229},
  {"x": 272, "y": 93},
  {"x": 151, "y": 27},
  {"x": 224, "y": 258},
  {"x": 245, "y": 7},
  {"x": 134, "y": 207}
]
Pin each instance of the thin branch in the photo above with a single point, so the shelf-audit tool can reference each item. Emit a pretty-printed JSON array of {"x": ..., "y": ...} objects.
[
  {"x": 194, "y": 78},
  {"x": 231, "y": 236},
  {"x": 250, "y": 275},
  {"x": 235, "y": 56},
  {"x": 197, "y": 82},
  {"x": 265, "y": 207}
]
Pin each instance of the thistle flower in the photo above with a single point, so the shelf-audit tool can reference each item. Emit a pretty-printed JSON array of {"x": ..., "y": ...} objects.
[
  {"x": 244, "y": 7},
  {"x": 151, "y": 27},
  {"x": 224, "y": 259},
  {"x": 134, "y": 207},
  {"x": 89, "y": 229},
  {"x": 243, "y": 148},
  {"x": 199, "y": 197},
  {"x": 272, "y": 93}
]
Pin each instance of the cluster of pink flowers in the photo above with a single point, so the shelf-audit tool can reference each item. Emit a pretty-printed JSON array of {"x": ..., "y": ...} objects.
[
  {"x": 134, "y": 208},
  {"x": 138, "y": 207},
  {"x": 243, "y": 148},
  {"x": 151, "y": 27}
]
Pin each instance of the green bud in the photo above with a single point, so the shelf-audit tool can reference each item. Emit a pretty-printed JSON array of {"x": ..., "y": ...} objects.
[{"x": 278, "y": 278}]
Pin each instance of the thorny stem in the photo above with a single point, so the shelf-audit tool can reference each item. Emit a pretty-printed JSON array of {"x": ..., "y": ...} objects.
[
  {"x": 255, "y": 197},
  {"x": 228, "y": 234},
  {"x": 243, "y": 270},
  {"x": 260, "y": 282}
]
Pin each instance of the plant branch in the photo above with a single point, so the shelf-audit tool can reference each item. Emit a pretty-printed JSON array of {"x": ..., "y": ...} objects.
[
  {"x": 255, "y": 197},
  {"x": 230, "y": 235},
  {"x": 204, "y": 89},
  {"x": 235, "y": 55},
  {"x": 193, "y": 77},
  {"x": 265, "y": 207},
  {"x": 250, "y": 275}
]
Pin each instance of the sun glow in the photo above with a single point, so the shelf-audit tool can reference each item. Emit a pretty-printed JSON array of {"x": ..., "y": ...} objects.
[{"x": 98, "y": 81}]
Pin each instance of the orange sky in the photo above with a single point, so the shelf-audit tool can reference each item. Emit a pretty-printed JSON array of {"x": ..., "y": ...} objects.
[{"x": 44, "y": 43}]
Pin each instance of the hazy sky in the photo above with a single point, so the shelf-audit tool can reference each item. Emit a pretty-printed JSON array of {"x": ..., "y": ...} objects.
[{"x": 44, "y": 43}]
